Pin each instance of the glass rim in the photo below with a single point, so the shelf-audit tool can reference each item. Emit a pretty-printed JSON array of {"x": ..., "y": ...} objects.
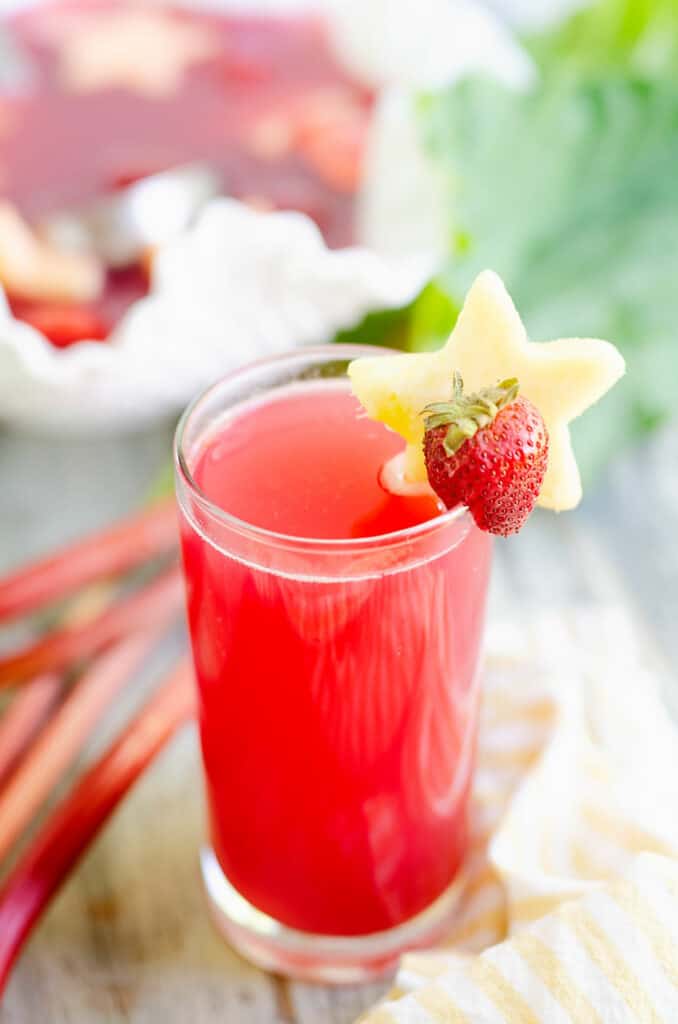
[{"x": 349, "y": 352}]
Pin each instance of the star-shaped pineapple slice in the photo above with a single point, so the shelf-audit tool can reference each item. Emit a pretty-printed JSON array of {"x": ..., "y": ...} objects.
[
  {"x": 146, "y": 52},
  {"x": 489, "y": 343}
]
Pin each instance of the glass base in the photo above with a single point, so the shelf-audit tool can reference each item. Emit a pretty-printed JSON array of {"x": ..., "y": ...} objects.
[{"x": 330, "y": 959}]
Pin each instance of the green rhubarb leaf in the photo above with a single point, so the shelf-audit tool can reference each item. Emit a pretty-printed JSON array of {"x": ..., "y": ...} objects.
[
  {"x": 636, "y": 36},
  {"x": 570, "y": 193},
  {"x": 422, "y": 325}
]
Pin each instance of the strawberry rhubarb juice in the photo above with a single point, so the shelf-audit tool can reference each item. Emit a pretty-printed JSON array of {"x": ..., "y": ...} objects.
[{"x": 336, "y": 630}]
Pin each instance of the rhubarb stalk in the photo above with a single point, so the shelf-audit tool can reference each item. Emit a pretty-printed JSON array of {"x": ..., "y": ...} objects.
[
  {"x": 60, "y": 649},
  {"x": 23, "y": 718},
  {"x": 74, "y": 824},
  {"x": 102, "y": 555},
  {"x": 63, "y": 738}
]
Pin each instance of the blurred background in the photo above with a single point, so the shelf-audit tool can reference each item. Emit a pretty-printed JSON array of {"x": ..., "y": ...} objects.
[{"x": 537, "y": 137}]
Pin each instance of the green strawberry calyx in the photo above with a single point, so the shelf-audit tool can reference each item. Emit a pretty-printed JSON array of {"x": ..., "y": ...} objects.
[{"x": 464, "y": 415}]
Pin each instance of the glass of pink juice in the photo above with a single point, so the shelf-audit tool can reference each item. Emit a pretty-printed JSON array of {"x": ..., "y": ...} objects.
[{"x": 336, "y": 631}]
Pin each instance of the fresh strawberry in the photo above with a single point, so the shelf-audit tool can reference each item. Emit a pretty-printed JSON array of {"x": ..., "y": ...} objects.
[{"x": 487, "y": 451}]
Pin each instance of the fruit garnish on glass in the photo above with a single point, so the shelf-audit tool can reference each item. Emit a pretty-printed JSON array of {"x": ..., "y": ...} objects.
[
  {"x": 486, "y": 417},
  {"x": 488, "y": 451}
]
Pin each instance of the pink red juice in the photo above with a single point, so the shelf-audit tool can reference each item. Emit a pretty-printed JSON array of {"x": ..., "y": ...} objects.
[{"x": 338, "y": 689}]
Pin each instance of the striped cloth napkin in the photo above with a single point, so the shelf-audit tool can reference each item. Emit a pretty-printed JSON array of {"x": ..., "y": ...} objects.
[{"x": 569, "y": 900}]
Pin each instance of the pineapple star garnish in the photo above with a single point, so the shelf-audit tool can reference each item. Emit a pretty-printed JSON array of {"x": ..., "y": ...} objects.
[
  {"x": 146, "y": 52},
  {"x": 489, "y": 343}
]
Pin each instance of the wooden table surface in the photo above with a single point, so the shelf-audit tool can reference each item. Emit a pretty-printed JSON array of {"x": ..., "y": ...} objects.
[{"x": 127, "y": 940}]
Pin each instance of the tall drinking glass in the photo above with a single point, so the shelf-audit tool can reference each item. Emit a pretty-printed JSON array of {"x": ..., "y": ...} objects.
[{"x": 338, "y": 691}]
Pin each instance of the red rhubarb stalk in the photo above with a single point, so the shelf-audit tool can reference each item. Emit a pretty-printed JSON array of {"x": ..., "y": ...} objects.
[
  {"x": 75, "y": 823},
  {"x": 64, "y": 737},
  {"x": 23, "y": 718},
  {"x": 108, "y": 553},
  {"x": 143, "y": 609}
]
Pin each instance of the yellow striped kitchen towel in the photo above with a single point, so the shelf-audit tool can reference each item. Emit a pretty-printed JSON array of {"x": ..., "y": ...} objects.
[{"x": 569, "y": 900}]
